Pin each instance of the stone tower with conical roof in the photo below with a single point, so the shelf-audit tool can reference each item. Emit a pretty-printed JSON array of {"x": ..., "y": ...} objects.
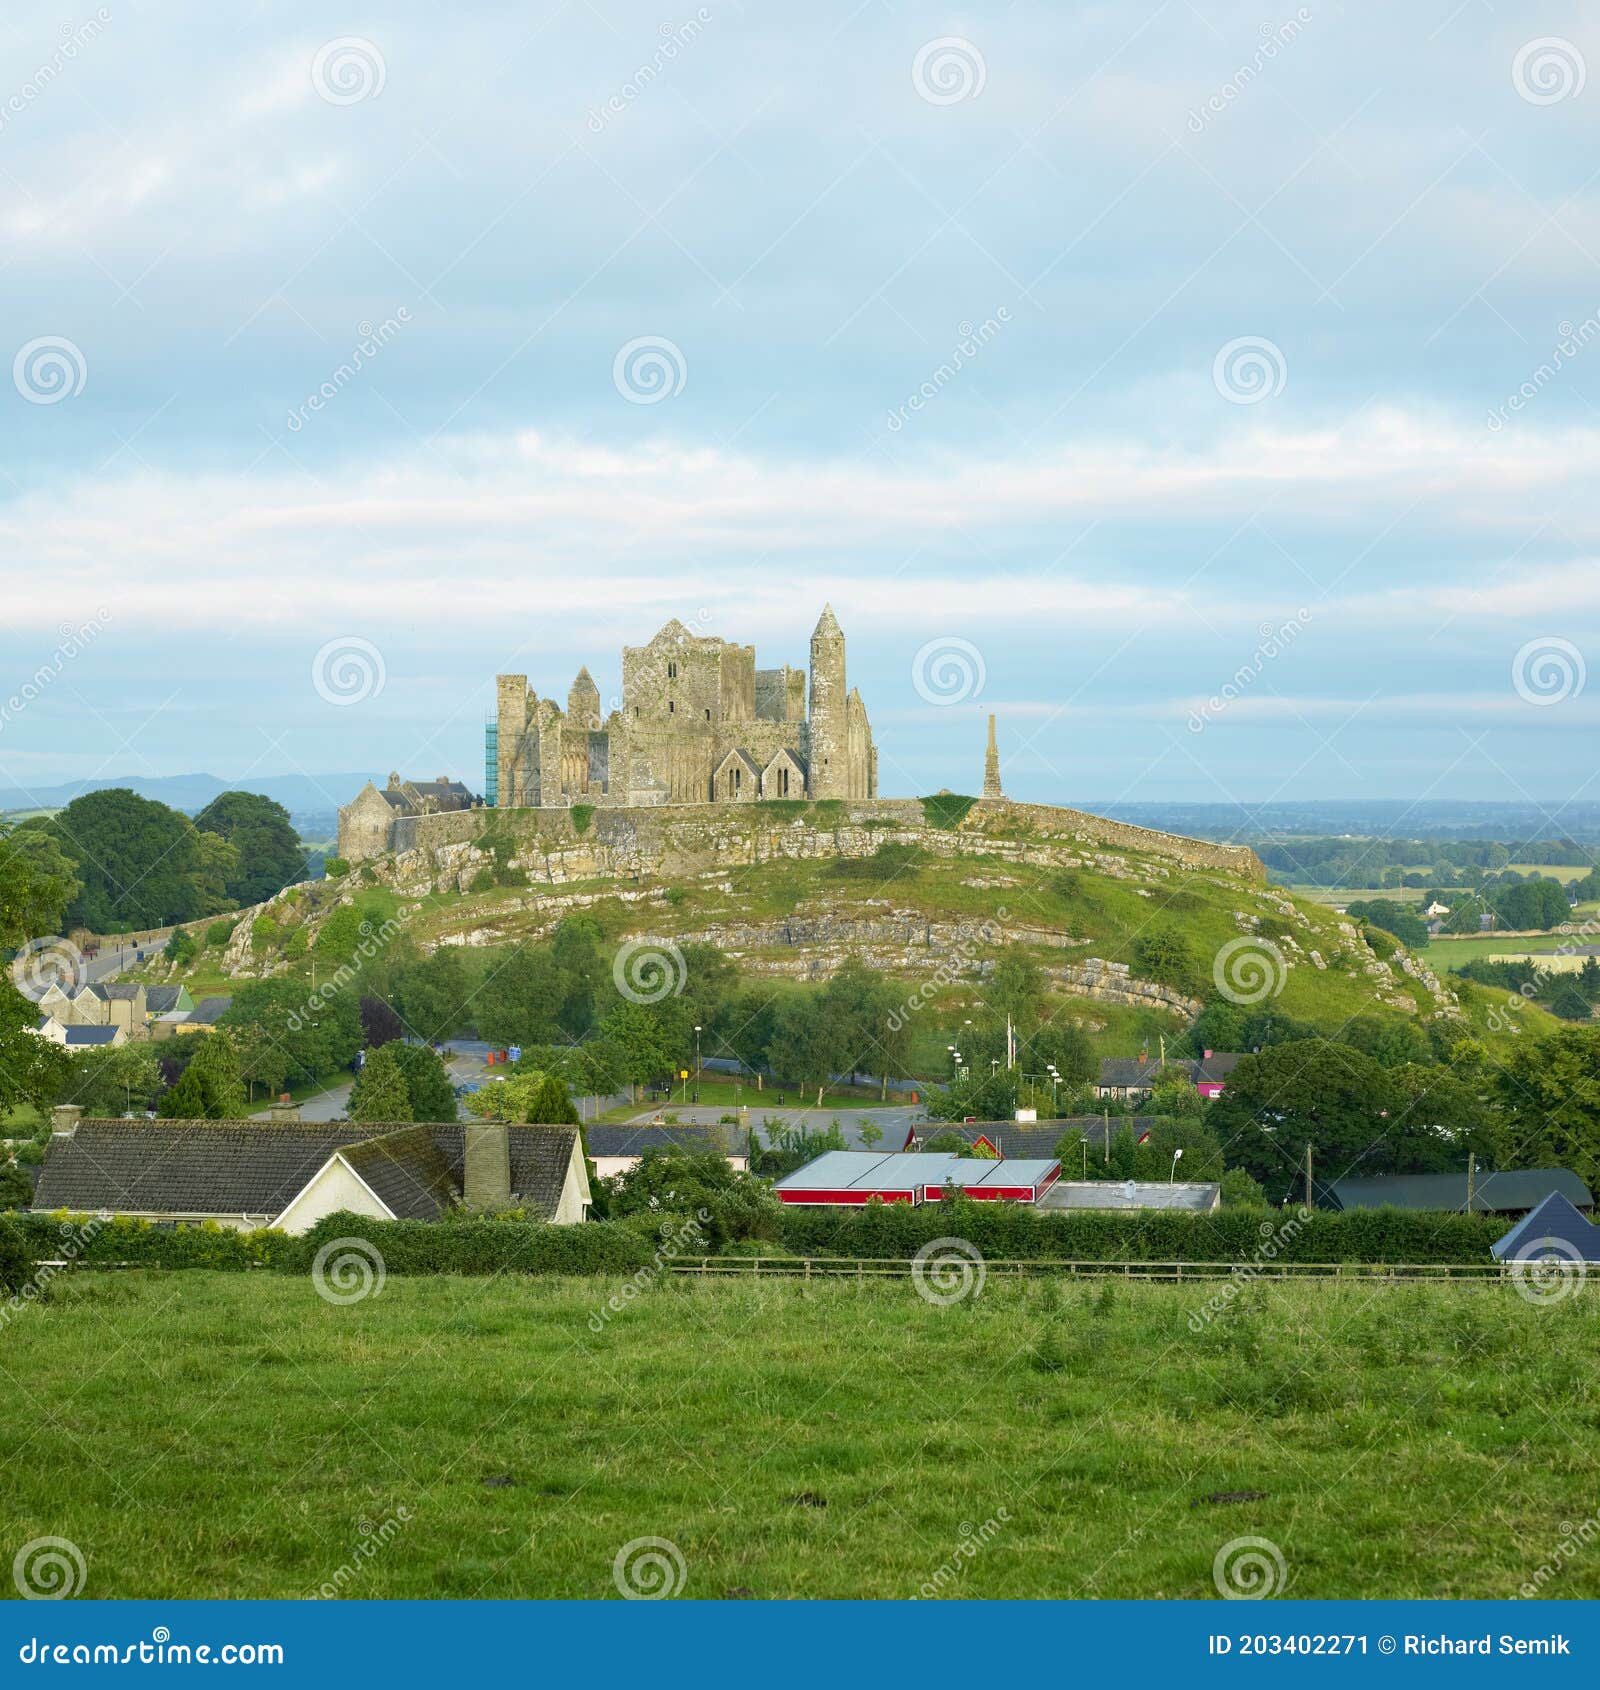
[{"x": 827, "y": 740}]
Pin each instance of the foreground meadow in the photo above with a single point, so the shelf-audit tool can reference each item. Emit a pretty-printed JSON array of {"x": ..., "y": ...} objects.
[{"x": 207, "y": 1434}]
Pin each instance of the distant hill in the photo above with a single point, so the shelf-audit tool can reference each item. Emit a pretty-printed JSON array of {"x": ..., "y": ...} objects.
[
  {"x": 1375, "y": 818},
  {"x": 311, "y": 800}
]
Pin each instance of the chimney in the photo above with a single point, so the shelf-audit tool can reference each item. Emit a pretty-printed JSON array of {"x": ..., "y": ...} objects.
[
  {"x": 283, "y": 1110},
  {"x": 64, "y": 1120},
  {"x": 1207, "y": 1055},
  {"x": 486, "y": 1165}
]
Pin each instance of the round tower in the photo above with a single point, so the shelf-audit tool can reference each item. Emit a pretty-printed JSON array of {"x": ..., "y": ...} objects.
[
  {"x": 583, "y": 703},
  {"x": 828, "y": 734}
]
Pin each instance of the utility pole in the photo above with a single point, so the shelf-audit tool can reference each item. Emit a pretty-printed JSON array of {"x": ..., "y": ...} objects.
[
  {"x": 1108, "y": 1137},
  {"x": 1308, "y": 1173},
  {"x": 1472, "y": 1177}
]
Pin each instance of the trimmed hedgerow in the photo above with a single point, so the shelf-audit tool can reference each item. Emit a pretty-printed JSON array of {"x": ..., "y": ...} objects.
[
  {"x": 90, "y": 1241},
  {"x": 946, "y": 809},
  {"x": 480, "y": 1246},
  {"x": 1014, "y": 1232}
]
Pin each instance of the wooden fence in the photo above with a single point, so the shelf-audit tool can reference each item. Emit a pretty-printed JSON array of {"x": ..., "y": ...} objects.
[{"x": 863, "y": 1268}]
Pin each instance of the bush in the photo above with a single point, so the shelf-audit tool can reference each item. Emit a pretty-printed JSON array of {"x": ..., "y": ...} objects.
[
  {"x": 582, "y": 815},
  {"x": 180, "y": 947},
  {"x": 946, "y": 809},
  {"x": 219, "y": 933},
  {"x": 333, "y": 867},
  {"x": 480, "y": 1246},
  {"x": 145, "y": 1244},
  {"x": 1016, "y": 1233},
  {"x": 889, "y": 862},
  {"x": 16, "y": 1259}
]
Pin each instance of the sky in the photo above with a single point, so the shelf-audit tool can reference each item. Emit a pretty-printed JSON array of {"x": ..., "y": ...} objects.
[{"x": 1210, "y": 392}]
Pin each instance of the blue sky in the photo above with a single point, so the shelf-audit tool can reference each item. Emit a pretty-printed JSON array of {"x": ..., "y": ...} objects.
[{"x": 1074, "y": 353}]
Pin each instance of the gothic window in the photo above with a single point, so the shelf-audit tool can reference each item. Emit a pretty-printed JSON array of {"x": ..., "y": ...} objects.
[
  {"x": 672, "y": 671},
  {"x": 783, "y": 783},
  {"x": 672, "y": 708}
]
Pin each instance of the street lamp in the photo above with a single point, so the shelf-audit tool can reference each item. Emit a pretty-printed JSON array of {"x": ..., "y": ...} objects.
[
  {"x": 1173, "y": 1172},
  {"x": 697, "y": 1064}
]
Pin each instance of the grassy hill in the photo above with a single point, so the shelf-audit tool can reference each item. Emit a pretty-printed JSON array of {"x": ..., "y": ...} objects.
[{"x": 1132, "y": 941}]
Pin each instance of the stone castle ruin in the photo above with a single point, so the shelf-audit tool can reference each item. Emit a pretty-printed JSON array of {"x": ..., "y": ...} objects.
[{"x": 698, "y": 723}]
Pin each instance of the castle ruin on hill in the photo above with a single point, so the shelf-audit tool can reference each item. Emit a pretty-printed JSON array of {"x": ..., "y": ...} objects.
[{"x": 698, "y": 723}]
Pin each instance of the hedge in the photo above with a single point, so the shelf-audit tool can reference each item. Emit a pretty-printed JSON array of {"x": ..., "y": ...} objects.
[
  {"x": 481, "y": 1246},
  {"x": 1013, "y": 1232},
  {"x": 87, "y": 1240}
]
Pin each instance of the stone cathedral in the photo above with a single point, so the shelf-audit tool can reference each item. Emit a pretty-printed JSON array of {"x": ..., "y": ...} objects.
[{"x": 698, "y": 723}]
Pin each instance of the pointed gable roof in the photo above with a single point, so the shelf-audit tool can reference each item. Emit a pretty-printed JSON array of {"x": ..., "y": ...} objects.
[
  {"x": 1556, "y": 1221},
  {"x": 827, "y": 623}
]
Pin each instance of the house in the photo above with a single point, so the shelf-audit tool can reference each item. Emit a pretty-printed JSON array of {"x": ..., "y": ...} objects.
[
  {"x": 160, "y": 1001},
  {"x": 1198, "y": 1197},
  {"x": 1129, "y": 1078},
  {"x": 614, "y": 1150},
  {"x": 290, "y": 1174},
  {"x": 204, "y": 1016},
  {"x": 1513, "y": 1192},
  {"x": 1555, "y": 1231},
  {"x": 852, "y": 1178},
  {"x": 90, "y": 1038},
  {"x": 47, "y": 1027},
  {"x": 123, "y": 1004}
]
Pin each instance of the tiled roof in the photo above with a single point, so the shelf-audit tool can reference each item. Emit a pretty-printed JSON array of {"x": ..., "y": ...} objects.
[
  {"x": 209, "y": 1011},
  {"x": 407, "y": 1171},
  {"x": 1130, "y": 1070},
  {"x": 635, "y": 1140},
  {"x": 187, "y": 1167},
  {"x": 540, "y": 1157},
  {"x": 257, "y": 1167},
  {"x": 159, "y": 1000},
  {"x": 92, "y": 1035},
  {"x": 1131, "y": 1194},
  {"x": 1518, "y": 1188},
  {"x": 122, "y": 990}
]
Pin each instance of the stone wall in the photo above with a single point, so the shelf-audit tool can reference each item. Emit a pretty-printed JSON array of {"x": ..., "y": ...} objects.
[{"x": 681, "y": 840}]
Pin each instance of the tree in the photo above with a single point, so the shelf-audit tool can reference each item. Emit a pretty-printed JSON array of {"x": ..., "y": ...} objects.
[
  {"x": 870, "y": 1134},
  {"x": 1549, "y": 1097},
  {"x": 209, "y": 1088},
  {"x": 642, "y": 1044},
  {"x": 1015, "y": 987},
  {"x": 268, "y": 852},
  {"x": 810, "y": 1041},
  {"x": 433, "y": 1097},
  {"x": 1307, "y": 1091},
  {"x": 1166, "y": 956},
  {"x": 38, "y": 880},
  {"x": 136, "y": 859},
  {"x": 111, "y": 1079},
  {"x": 1404, "y": 923},
  {"x": 581, "y": 973},
  {"x": 16, "y": 1189},
  {"x": 379, "y": 1023},
  {"x": 215, "y": 860},
  {"x": 380, "y": 1092},
  {"x": 289, "y": 1036},
  {"x": 552, "y": 1103},
  {"x": 430, "y": 993},
  {"x": 179, "y": 948},
  {"x": 520, "y": 1001}
]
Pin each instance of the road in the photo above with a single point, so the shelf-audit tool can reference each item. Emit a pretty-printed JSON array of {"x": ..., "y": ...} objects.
[{"x": 892, "y": 1122}]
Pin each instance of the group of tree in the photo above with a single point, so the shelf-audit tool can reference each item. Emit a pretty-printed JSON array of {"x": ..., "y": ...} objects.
[
  {"x": 1341, "y": 862},
  {"x": 111, "y": 861}
]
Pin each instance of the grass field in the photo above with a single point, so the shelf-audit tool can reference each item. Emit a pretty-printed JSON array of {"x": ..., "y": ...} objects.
[{"x": 214, "y": 1435}]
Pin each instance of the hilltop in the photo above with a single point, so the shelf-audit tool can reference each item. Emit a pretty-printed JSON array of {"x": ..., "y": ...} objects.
[{"x": 1134, "y": 930}]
